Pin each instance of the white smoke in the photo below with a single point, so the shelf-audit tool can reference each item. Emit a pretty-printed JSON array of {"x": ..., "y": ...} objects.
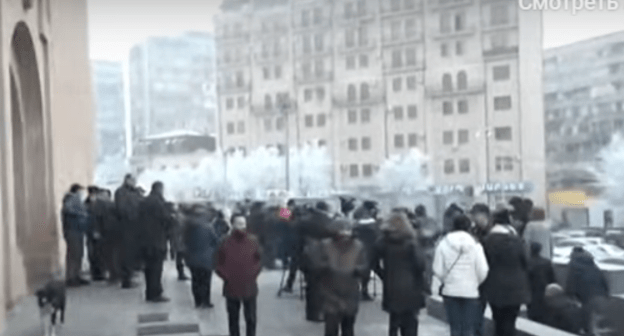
[
  {"x": 404, "y": 173},
  {"x": 610, "y": 172}
]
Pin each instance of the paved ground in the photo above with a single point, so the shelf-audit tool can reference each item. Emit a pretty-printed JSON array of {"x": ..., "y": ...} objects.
[{"x": 102, "y": 310}]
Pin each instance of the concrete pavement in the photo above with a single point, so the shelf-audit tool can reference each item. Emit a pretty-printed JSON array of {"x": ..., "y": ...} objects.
[{"x": 102, "y": 310}]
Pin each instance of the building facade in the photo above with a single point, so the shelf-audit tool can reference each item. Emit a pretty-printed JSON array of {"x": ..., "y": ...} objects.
[
  {"x": 172, "y": 85},
  {"x": 108, "y": 84},
  {"x": 583, "y": 100},
  {"x": 45, "y": 93},
  {"x": 371, "y": 79}
]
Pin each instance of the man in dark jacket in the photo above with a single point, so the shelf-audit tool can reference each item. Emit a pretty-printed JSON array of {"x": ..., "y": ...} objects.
[
  {"x": 127, "y": 200},
  {"x": 75, "y": 219},
  {"x": 402, "y": 273},
  {"x": 541, "y": 274},
  {"x": 112, "y": 244},
  {"x": 155, "y": 229},
  {"x": 366, "y": 231},
  {"x": 94, "y": 236},
  {"x": 239, "y": 264},
  {"x": 562, "y": 312}
]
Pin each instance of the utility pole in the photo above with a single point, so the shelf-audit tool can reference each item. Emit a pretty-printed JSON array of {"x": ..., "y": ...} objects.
[{"x": 284, "y": 106}]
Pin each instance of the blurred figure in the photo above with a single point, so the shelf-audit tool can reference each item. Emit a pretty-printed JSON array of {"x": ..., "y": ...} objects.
[
  {"x": 562, "y": 312},
  {"x": 201, "y": 243},
  {"x": 155, "y": 228},
  {"x": 449, "y": 217},
  {"x": 538, "y": 231},
  {"x": 341, "y": 262},
  {"x": 400, "y": 263},
  {"x": 94, "y": 236},
  {"x": 367, "y": 232},
  {"x": 221, "y": 225},
  {"x": 127, "y": 200},
  {"x": 541, "y": 274},
  {"x": 507, "y": 285},
  {"x": 586, "y": 283},
  {"x": 239, "y": 262},
  {"x": 368, "y": 209},
  {"x": 112, "y": 241},
  {"x": 459, "y": 267},
  {"x": 347, "y": 206},
  {"x": 480, "y": 214},
  {"x": 176, "y": 241},
  {"x": 428, "y": 234},
  {"x": 521, "y": 213},
  {"x": 75, "y": 219}
]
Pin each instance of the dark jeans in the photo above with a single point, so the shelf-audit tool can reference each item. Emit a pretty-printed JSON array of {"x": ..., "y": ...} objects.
[
  {"x": 201, "y": 279},
  {"x": 293, "y": 266},
  {"x": 461, "y": 315},
  {"x": 179, "y": 258},
  {"x": 249, "y": 309},
  {"x": 339, "y": 324},
  {"x": 480, "y": 317},
  {"x": 75, "y": 252},
  {"x": 153, "y": 273},
  {"x": 505, "y": 320},
  {"x": 406, "y": 323},
  {"x": 312, "y": 297},
  {"x": 95, "y": 248},
  {"x": 128, "y": 257},
  {"x": 112, "y": 248}
]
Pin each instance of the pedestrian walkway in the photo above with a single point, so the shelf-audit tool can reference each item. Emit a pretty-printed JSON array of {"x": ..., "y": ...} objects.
[{"x": 102, "y": 310}]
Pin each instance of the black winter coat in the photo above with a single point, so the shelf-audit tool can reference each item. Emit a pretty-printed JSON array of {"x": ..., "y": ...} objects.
[
  {"x": 402, "y": 273},
  {"x": 541, "y": 274},
  {"x": 155, "y": 224},
  {"x": 563, "y": 313},
  {"x": 585, "y": 280},
  {"x": 127, "y": 201},
  {"x": 507, "y": 283}
]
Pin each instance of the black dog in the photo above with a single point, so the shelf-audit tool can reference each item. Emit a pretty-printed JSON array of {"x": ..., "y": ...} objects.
[{"x": 51, "y": 300}]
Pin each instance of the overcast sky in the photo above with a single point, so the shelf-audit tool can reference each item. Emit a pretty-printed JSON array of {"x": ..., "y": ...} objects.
[{"x": 116, "y": 25}]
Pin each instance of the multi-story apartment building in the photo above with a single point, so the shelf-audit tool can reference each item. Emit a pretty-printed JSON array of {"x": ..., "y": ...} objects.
[
  {"x": 583, "y": 100},
  {"x": 172, "y": 85},
  {"x": 108, "y": 83},
  {"x": 369, "y": 79}
]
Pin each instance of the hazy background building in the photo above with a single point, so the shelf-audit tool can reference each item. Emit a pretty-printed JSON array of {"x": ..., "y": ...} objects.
[
  {"x": 108, "y": 84},
  {"x": 583, "y": 99},
  {"x": 369, "y": 79}
]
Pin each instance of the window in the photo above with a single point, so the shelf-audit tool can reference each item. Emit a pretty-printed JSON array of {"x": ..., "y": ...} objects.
[
  {"x": 366, "y": 143},
  {"x": 412, "y": 140},
  {"x": 267, "y": 73},
  {"x": 412, "y": 112},
  {"x": 395, "y": 5},
  {"x": 447, "y": 83},
  {"x": 464, "y": 166},
  {"x": 504, "y": 163},
  {"x": 320, "y": 93},
  {"x": 361, "y": 7},
  {"x": 398, "y": 112},
  {"x": 319, "y": 68},
  {"x": 410, "y": 56},
  {"x": 447, "y": 137},
  {"x": 444, "y": 50},
  {"x": 318, "y": 42},
  {"x": 349, "y": 11},
  {"x": 462, "y": 136},
  {"x": 462, "y": 106},
  {"x": 397, "y": 59},
  {"x": 307, "y": 69},
  {"x": 353, "y": 170},
  {"x": 229, "y": 103},
  {"x": 318, "y": 15},
  {"x": 307, "y": 95},
  {"x": 447, "y": 108},
  {"x": 449, "y": 167},
  {"x": 309, "y": 120},
  {"x": 502, "y": 133},
  {"x": 241, "y": 102},
  {"x": 240, "y": 82},
  {"x": 500, "y": 72},
  {"x": 363, "y": 36},
  {"x": 277, "y": 49},
  {"x": 396, "y": 84},
  {"x": 307, "y": 44},
  {"x": 395, "y": 30},
  {"x": 410, "y": 4},
  {"x": 279, "y": 123},
  {"x": 265, "y": 50},
  {"x": 322, "y": 143},
  {"x": 363, "y": 61},
  {"x": 365, "y": 116},
  {"x": 353, "y": 144},
  {"x": 499, "y": 15},
  {"x": 352, "y": 116},
  {"x": 367, "y": 170},
  {"x": 268, "y": 102},
  {"x": 351, "y": 94},
  {"x": 502, "y": 103},
  {"x": 410, "y": 83},
  {"x": 321, "y": 120},
  {"x": 410, "y": 28},
  {"x": 462, "y": 81},
  {"x": 364, "y": 91},
  {"x": 241, "y": 127},
  {"x": 399, "y": 141},
  {"x": 268, "y": 124},
  {"x": 499, "y": 40},
  {"x": 460, "y": 21},
  {"x": 445, "y": 23},
  {"x": 230, "y": 128},
  {"x": 350, "y": 38},
  {"x": 459, "y": 48},
  {"x": 350, "y": 62},
  {"x": 305, "y": 18},
  {"x": 278, "y": 72}
]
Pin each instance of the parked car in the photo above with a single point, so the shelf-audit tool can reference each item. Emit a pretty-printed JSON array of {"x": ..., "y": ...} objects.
[
  {"x": 603, "y": 253},
  {"x": 563, "y": 248}
]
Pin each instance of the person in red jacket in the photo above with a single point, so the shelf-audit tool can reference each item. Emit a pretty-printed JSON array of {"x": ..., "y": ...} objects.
[{"x": 239, "y": 264}]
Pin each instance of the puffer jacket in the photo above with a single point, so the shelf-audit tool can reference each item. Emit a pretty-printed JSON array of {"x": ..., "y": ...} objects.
[
  {"x": 74, "y": 214},
  {"x": 470, "y": 270}
]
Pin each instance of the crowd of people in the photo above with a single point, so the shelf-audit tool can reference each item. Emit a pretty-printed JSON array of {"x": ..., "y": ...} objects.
[{"x": 476, "y": 257}]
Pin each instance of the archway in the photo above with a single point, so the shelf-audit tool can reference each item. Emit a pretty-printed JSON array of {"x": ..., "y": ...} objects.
[{"x": 34, "y": 227}]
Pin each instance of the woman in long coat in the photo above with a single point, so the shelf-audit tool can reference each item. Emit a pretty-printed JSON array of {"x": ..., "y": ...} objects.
[{"x": 402, "y": 273}]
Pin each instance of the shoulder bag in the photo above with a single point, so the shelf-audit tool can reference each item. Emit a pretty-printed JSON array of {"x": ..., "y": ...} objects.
[{"x": 448, "y": 272}]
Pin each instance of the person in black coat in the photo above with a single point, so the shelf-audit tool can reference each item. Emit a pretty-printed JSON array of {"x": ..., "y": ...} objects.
[
  {"x": 366, "y": 231},
  {"x": 541, "y": 274},
  {"x": 400, "y": 263},
  {"x": 127, "y": 200},
  {"x": 155, "y": 228},
  {"x": 561, "y": 311},
  {"x": 506, "y": 287}
]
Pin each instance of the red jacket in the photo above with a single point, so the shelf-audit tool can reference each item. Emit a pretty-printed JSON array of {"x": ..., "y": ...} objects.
[{"x": 239, "y": 264}]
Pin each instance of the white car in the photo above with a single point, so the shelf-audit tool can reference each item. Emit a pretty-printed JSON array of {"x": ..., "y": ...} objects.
[
  {"x": 563, "y": 248},
  {"x": 603, "y": 253}
]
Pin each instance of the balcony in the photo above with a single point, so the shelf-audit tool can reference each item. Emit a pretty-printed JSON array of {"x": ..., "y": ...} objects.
[
  {"x": 455, "y": 34},
  {"x": 370, "y": 44},
  {"x": 390, "y": 42},
  {"x": 388, "y": 12},
  {"x": 326, "y": 52},
  {"x": 270, "y": 59},
  {"x": 324, "y": 24},
  {"x": 501, "y": 51},
  {"x": 390, "y": 70},
  {"x": 263, "y": 111},
  {"x": 326, "y": 76},
  {"x": 229, "y": 89},
  {"x": 470, "y": 90},
  {"x": 374, "y": 99},
  {"x": 438, "y": 5},
  {"x": 354, "y": 19}
]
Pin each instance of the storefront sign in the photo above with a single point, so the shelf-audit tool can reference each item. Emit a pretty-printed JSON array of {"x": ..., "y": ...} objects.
[
  {"x": 496, "y": 188},
  {"x": 448, "y": 189}
]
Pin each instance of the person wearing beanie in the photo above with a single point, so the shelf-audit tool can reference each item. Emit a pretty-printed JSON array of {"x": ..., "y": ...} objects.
[
  {"x": 561, "y": 311},
  {"x": 541, "y": 274},
  {"x": 341, "y": 262}
]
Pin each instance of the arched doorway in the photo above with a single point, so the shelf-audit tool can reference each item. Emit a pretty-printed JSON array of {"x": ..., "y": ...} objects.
[{"x": 35, "y": 226}]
